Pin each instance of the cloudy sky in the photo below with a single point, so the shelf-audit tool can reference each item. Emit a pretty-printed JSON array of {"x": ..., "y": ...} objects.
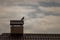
[{"x": 41, "y": 16}]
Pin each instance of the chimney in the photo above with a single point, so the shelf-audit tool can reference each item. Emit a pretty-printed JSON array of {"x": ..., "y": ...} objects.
[{"x": 16, "y": 26}]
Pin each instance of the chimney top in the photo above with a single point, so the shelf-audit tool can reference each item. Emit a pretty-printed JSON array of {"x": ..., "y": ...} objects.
[{"x": 17, "y": 22}]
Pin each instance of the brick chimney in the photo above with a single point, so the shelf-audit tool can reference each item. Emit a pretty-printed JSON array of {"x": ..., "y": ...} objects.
[{"x": 16, "y": 26}]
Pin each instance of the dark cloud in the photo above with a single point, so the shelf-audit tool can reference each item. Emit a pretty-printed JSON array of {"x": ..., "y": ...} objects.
[
  {"x": 49, "y": 4},
  {"x": 17, "y": 3},
  {"x": 40, "y": 14},
  {"x": 36, "y": 15},
  {"x": 53, "y": 14}
]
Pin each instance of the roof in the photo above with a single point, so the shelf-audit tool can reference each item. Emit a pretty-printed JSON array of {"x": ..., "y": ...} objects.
[{"x": 8, "y": 36}]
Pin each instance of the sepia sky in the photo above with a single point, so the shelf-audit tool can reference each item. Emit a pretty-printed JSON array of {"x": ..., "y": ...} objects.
[{"x": 41, "y": 16}]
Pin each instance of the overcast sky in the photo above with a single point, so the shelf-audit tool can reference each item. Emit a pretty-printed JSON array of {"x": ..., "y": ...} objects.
[{"x": 41, "y": 16}]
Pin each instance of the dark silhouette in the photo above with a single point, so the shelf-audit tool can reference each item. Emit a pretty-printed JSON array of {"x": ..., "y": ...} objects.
[
  {"x": 17, "y": 22},
  {"x": 22, "y": 20}
]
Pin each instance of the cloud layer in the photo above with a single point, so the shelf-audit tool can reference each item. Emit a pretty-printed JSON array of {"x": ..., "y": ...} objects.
[{"x": 39, "y": 18}]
